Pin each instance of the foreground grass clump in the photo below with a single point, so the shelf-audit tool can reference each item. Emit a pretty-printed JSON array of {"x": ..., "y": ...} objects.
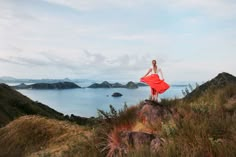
[{"x": 105, "y": 138}]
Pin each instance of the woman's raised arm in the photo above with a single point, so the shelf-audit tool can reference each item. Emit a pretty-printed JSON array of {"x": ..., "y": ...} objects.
[{"x": 147, "y": 72}]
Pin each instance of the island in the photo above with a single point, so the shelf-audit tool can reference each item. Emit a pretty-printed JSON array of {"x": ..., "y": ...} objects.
[
  {"x": 116, "y": 94},
  {"x": 106, "y": 84},
  {"x": 58, "y": 85}
]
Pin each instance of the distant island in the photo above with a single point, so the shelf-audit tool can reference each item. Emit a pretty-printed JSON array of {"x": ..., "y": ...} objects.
[
  {"x": 9, "y": 79},
  {"x": 58, "y": 85},
  {"x": 105, "y": 84},
  {"x": 72, "y": 85}
]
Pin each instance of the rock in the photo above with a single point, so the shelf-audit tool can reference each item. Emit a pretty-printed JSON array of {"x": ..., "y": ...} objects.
[
  {"x": 116, "y": 94},
  {"x": 155, "y": 145},
  {"x": 138, "y": 140},
  {"x": 151, "y": 111}
]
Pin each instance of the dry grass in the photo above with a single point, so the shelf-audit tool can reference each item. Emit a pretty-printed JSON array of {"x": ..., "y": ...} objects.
[{"x": 37, "y": 136}]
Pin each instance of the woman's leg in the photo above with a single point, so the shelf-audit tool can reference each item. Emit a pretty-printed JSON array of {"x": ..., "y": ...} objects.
[
  {"x": 153, "y": 94},
  {"x": 156, "y": 97}
]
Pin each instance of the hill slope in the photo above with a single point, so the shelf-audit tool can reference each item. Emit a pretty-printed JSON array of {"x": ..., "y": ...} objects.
[
  {"x": 217, "y": 83},
  {"x": 13, "y": 104},
  {"x": 39, "y": 136}
]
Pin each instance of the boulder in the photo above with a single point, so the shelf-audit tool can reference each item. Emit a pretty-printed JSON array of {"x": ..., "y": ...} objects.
[
  {"x": 139, "y": 139},
  {"x": 151, "y": 111}
]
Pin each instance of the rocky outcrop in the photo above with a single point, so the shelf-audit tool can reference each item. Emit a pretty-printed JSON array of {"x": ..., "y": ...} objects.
[
  {"x": 138, "y": 140},
  {"x": 151, "y": 111},
  {"x": 59, "y": 85},
  {"x": 116, "y": 94}
]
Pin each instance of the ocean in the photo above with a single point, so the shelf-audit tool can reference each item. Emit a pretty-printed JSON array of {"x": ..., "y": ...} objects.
[{"x": 86, "y": 101}]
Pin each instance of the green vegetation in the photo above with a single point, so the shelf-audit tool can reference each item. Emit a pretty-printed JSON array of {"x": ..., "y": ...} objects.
[{"x": 13, "y": 105}]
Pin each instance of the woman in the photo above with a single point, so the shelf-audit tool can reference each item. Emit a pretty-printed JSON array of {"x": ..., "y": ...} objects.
[{"x": 156, "y": 84}]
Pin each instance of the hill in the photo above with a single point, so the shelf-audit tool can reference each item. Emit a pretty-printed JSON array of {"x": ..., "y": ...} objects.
[
  {"x": 105, "y": 84},
  {"x": 58, "y": 85},
  {"x": 38, "y": 136},
  {"x": 13, "y": 105},
  {"x": 221, "y": 80}
]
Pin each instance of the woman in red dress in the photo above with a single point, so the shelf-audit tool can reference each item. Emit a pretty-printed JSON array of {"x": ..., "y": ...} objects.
[{"x": 157, "y": 85}]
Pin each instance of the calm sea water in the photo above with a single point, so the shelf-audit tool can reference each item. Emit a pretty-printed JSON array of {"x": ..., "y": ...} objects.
[{"x": 86, "y": 101}]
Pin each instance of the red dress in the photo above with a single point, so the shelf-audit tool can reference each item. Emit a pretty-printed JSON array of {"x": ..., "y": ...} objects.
[{"x": 156, "y": 84}]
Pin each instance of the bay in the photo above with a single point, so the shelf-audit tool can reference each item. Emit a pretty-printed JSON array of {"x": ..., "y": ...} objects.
[{"x": 85, "y": 101}]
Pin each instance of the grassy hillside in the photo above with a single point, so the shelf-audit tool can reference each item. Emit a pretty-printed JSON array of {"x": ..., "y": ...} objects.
[
  {"x": 201, "y": 124},
  {"x": 38, "y": 136},
  {"x": 220, "y": 81},
  {"x": 13, "y": 104}
]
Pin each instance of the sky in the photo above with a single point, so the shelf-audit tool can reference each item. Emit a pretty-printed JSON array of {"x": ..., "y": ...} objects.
[{"x": 192, "y": 40}]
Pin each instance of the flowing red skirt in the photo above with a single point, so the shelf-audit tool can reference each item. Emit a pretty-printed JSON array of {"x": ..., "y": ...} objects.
[{"x": 156, "y": 84}]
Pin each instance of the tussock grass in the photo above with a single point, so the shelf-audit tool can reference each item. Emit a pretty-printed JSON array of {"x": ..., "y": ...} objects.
[
  {"x": 38, "y": 136},
  {"x": 203, "y": 127}
]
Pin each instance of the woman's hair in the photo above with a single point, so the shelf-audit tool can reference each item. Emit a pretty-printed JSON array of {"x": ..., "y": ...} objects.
[{"x": 154, "y": 64}]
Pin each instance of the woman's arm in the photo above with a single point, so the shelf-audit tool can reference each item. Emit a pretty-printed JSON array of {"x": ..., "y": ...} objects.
[{"x": 147, "y": 72}]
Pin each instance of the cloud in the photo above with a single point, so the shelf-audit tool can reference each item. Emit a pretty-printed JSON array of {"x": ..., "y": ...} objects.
[
  {"x": 217, "y": 8},
  {"x": 147, "y": 37},
  {"x": 89, "y": 5},
  {"x": 113, "y": 38},
  {"x": 85, "y": 64},
  {"x": 24, "y": 61},
  {"x": 210, "y": 7}
]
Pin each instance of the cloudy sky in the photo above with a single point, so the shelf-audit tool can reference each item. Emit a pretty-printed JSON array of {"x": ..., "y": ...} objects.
[{"x": 117, "y": 39}]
